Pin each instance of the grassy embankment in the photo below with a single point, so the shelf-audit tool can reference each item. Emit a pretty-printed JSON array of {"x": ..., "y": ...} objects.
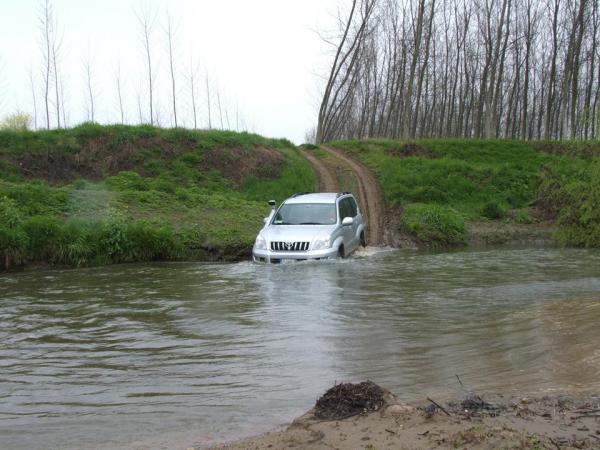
[
  {"x": 107, "y": 194},
  {"x": 444, "y": 189}
]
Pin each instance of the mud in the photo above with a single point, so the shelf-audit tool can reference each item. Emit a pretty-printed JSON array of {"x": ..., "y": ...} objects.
[{"x": 326, "y": 180}]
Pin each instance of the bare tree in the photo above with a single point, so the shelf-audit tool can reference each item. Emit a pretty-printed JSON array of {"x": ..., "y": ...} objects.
[
  {"x": 170, "y": 32},
  {"x": 146, "y": 22},
  {"x": 472, "y": 68},
  {"x": 139, "y": 106},
  {"x": 46, "y": 26},
  {"x": 56, "y": 47},
  {"x": 119, "y": 93},
  {"x": 91, "y": 108},
  {"x": 63, "y": 108},
  {"x": 208, "y": 104},
  {"x": 219, "y": 106},
  {"x": 192, "y": 80},
  {"x": 33, "y": 98},
  {"x": 341, "y": 73}
]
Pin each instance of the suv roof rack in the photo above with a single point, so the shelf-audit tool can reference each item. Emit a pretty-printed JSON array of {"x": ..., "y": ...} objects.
[{"x": 300, "y": 193}]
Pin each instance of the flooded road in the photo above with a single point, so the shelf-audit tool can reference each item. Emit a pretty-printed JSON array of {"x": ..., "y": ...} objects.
[{"x": 175, "y": 355}]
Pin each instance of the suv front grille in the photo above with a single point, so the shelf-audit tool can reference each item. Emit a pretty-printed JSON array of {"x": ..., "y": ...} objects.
[{"x": 290, "y": 246}]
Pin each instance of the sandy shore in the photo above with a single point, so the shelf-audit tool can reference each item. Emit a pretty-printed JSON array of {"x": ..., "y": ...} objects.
[{"x": 473, "y": 422}]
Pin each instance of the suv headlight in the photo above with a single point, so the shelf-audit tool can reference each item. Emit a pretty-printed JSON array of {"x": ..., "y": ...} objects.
[
  {"x": 260, "y": 243},
  {"x": 321, "y": 243}
]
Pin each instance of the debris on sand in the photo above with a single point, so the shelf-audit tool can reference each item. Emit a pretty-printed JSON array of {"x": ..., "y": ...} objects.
[
  {"x": 349, "y": 399},
  {"x": 474, "y": 406}
]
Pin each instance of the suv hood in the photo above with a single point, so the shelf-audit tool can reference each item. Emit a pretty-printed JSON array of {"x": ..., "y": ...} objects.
[{"x": 296, "y": 233}]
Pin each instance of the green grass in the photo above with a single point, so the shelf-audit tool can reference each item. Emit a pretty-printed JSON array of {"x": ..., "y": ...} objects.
[
  {"x": 296, "y": 176},
  {"x": 574, "y": 195},
  {"x": 434, "y": 225},
  {"x": 72, "y": 140},
  {"x": 484, "y": 180},
  {"x": 168, "y": 205}
]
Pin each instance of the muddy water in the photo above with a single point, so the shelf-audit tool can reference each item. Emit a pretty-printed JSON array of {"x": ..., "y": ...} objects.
[{"x": 174, "y": 355}]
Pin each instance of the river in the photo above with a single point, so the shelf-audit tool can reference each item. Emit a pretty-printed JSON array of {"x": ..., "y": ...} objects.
[{"x": 171, "y": 355}]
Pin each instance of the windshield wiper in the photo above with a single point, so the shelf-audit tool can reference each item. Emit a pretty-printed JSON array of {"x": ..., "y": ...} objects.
[{"x": 310, "y": 223}]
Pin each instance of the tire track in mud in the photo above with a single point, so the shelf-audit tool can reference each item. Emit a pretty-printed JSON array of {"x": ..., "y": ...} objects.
[
  {"x": 326, "y": 179},
  {"x": 369, "y": 192}
]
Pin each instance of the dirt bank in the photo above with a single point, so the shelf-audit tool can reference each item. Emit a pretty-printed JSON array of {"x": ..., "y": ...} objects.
[{"x": 473, "y": 422}]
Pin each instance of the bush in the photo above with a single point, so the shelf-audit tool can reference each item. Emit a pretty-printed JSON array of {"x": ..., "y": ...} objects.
[
  {"x": 16, "y": 122},
  {"x": 493, "y": 211},
  {"x": 10, "y": 214},
  {"x": 122, "y": 240},
  {"x": 579, "y": 218},
  {"x": 523, "y": 217},
  {"x": 78, "y": 244},
  {"x": 13, "y": 246},
  {"x": 434, "y": 225},
  {"x": 44, "y": 234},
  {"x": 149, "y": 242}
]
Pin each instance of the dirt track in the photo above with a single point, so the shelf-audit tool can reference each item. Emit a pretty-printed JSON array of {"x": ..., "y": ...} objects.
[
  {"x": 369, "y": 193},
  {"x": 326, "y": 179}
]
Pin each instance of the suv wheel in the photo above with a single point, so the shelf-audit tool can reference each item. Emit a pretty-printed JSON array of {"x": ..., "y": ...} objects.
[
  {"x": 363, "y": 241},
  {"x": 341, "y": 252}
]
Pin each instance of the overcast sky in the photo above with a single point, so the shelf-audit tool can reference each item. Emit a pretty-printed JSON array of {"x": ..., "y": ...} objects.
[{"x": 263, "y": 56}]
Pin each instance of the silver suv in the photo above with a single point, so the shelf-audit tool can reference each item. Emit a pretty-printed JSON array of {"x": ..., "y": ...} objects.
[{"x": 311, "y": 226}]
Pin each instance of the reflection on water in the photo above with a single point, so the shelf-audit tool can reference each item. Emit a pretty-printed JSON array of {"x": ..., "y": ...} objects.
[{"x": 170, "y": 355}]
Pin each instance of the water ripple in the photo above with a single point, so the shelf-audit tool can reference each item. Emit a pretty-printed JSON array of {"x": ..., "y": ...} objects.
[{"x": 153, "y": 351}]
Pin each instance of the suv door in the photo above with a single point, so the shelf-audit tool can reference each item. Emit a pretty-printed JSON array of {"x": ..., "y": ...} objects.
[
  {"x": 357, "y": 220},
  {"x": 348, "y": 232}
]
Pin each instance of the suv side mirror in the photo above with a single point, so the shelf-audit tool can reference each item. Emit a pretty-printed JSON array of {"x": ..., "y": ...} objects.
[
  {"x": 265, "y": 220},
  {"x": 347, "y": 221}
]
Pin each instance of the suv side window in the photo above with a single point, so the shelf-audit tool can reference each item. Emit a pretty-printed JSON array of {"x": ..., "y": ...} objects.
[
  {"x": 345, "y": 209},
  {"x": 353, "y": 206}
]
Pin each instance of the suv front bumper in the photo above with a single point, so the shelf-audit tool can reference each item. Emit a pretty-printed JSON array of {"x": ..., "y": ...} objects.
[{"x": 270, "y": 256}]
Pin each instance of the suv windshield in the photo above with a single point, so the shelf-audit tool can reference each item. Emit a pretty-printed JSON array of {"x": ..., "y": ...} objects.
[{"x": 306, "y": 214}]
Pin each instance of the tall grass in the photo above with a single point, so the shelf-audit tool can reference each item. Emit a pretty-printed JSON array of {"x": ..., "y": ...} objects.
[{"x": 435, "y": 225}]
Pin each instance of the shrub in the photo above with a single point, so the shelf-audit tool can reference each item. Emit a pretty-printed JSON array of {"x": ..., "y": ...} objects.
[
  {"x": 16, "y": 122},
  {"x": 579, "y": 219},
  {"x": 10, "y": 214},
  {"x": 434, "y": 225},
  {"x": 523, "y": 217},
  {"x": 80, "y": 184},
  {"x": 113, "y": 238},
  {"x": 44, "y": 234},
  {"x": 149, "y": 242},
  {"x": 78, "y": 244},
  {"x": 493, "y": 210},
  {"x": 13, "y": 246}
]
